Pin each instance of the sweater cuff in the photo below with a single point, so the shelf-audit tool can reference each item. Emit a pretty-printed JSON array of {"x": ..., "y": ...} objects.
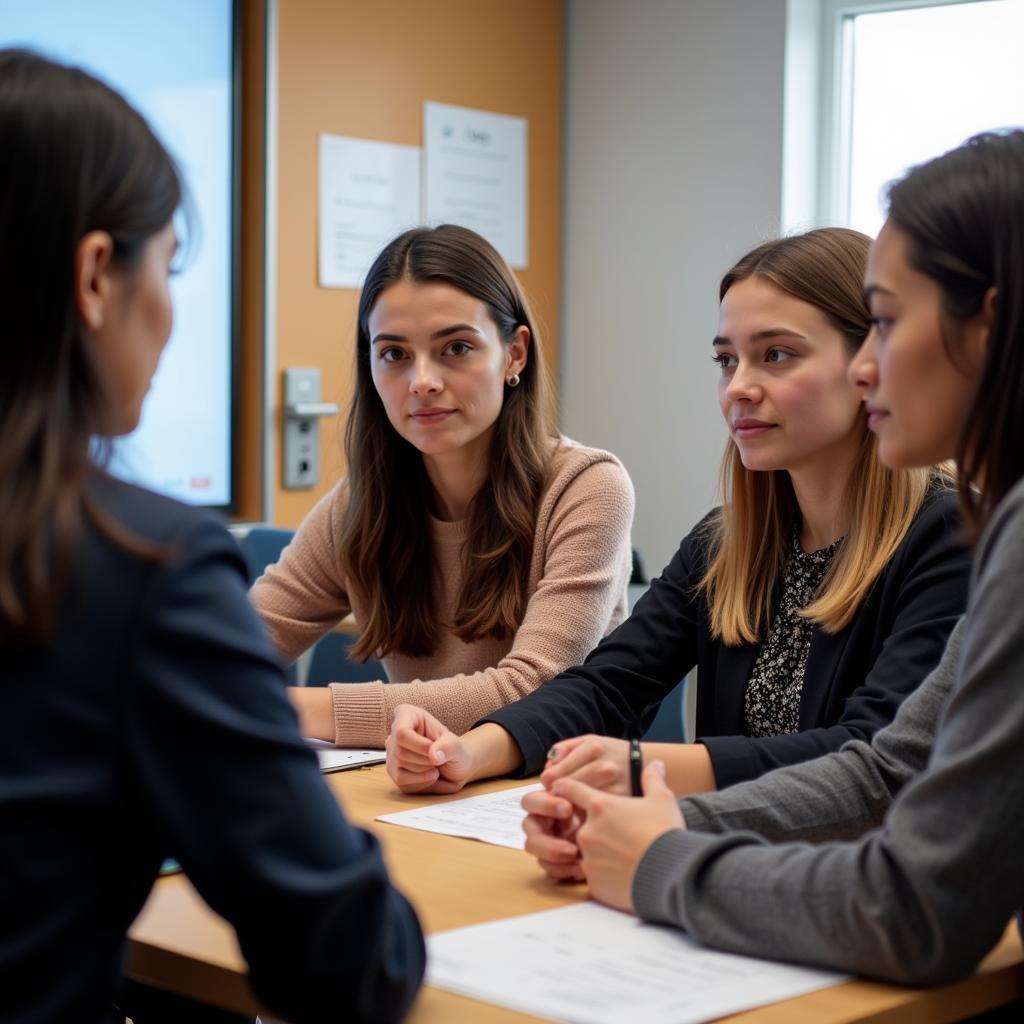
[
  {"x": 358, "y": 710},
  {"x": 658, "y": 876}
]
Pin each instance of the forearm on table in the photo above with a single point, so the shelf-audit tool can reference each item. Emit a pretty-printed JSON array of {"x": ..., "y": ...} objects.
[
  {"x": 316, "y": 714},
  {"x": 492, "y": 751},
  {"x": 688, "y": 767}
]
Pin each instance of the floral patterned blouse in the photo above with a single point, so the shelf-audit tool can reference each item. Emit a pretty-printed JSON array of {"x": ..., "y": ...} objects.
[{"x": 772, "y": 702}]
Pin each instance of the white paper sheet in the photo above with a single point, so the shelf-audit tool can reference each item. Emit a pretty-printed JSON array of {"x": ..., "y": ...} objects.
[
  {"x": 586, "y": 964},
  {"x": 475, "y": 175},
  {"x": 337, "y": 759},
  {"x": 368, "y": 193},
  {"x": 495, "y": 818}
]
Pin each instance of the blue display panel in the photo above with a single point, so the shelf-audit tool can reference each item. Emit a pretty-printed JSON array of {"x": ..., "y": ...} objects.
[{"x": 174, "y": 60}]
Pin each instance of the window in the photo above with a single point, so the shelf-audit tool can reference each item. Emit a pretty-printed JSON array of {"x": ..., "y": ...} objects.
[{"x": 899, "y": 82}]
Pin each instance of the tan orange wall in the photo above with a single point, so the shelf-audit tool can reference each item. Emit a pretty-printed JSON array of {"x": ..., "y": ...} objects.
[{"x": 350, "y": 67}]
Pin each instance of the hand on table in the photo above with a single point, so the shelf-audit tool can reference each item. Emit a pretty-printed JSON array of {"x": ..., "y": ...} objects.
[
  {"x": 424, "y": 756},
  {"x": 615, "y": 832},
  {"x": 552, "y": 822}
]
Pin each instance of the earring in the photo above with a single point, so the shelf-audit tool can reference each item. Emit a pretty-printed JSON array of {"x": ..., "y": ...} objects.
[{"x": 513, "y": 381}]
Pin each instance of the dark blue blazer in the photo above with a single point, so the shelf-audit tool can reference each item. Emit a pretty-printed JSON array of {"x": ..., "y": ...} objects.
[
  {"x": 853, "y": 682},
  {"x": 155, "y": 723}
]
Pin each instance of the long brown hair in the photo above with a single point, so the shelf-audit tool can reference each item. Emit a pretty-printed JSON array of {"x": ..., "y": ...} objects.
[
  {"x": 387, "y": 550},
  {"x": 964, "y": 214},
  {"x": 76, "y": 158},
  {"x": 751, "y": 535}
]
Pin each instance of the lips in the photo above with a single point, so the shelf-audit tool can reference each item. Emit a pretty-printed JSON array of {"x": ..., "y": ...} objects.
[
  {"x": 747, "y": 428},
  {"x": 875, "y": 415},
  {"x": 430, "y": 416}
]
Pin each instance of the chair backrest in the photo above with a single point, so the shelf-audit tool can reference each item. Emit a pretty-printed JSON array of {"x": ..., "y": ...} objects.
[
  {"x": 331, "y": 663},
  {"x": 262, "y": 546}
]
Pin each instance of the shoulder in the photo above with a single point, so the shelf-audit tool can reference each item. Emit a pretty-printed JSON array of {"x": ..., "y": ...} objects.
[
  {"x": 139, "y": 547},
  {"x": 151, "y": 517},
  {"x": 1002, "y": 541},
  {"x": 936, "y": 525},
  {"x": 697, "y": 544},
  {"x": 585, "y": 471}
]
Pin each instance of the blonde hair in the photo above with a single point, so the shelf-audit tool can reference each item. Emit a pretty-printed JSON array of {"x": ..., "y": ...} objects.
[{"x": 749, "y": 538}]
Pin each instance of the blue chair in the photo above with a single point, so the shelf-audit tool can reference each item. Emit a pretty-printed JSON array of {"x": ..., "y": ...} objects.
[
  {"x": 670, "y": 723},
  {"x": 331, "y": 663},
  {"x": 262, "y": 546}
]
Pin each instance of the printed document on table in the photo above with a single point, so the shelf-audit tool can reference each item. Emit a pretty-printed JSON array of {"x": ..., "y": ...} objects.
[
  {"x": 495, "y": 818},
  {"x": 337, "y": 759},
  {"x": 474, "y": 175},
  {"x": 586, "y": 964}
]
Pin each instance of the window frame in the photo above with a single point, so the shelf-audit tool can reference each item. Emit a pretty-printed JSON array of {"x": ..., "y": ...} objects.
[{"x": 824, "y": 135}]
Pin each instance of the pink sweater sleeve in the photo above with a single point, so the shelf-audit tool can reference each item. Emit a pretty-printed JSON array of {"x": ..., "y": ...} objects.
[
  {"x": 302, "y": 597},
  {"x": 580, "y": 596}
]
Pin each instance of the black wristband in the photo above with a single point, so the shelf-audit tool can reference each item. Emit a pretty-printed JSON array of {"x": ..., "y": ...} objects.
[{"x": 636, "y": 768}]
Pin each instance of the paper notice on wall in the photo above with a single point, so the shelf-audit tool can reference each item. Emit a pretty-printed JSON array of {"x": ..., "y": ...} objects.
[
  {"x": 368, "y": 193},
  {"x": 475, "y": 175}
]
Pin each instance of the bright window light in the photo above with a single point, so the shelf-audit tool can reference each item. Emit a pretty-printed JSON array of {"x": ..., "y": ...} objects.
[{"x": 923, "y": 80}]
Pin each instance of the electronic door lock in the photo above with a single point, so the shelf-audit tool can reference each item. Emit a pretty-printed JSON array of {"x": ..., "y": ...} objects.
[{"x": 302, "y": 413}]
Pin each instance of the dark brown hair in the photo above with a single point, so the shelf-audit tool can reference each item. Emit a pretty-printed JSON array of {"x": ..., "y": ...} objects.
[
  {"x": 964, "y": 215},
  {"x": 387, "y": 551},
  {"x": 750, "y": 537},
  {"x": 76, "y": 158}
]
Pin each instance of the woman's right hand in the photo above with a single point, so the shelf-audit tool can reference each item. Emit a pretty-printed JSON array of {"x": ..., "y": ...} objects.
[
  {"x": 551, "y": 824},
  {"x": 551, "y": 821},
  {"x": 424, "y": 756},
  {"x": 599, "y": 761}
]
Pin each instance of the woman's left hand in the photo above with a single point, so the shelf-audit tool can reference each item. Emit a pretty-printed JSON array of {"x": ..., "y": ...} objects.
[{"x": 618, "y": 831}]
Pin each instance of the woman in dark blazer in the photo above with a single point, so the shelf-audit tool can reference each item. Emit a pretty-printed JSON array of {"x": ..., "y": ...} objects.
[
  {"x": 144, "y": 713},
  {"x": 811, "y": 603}
]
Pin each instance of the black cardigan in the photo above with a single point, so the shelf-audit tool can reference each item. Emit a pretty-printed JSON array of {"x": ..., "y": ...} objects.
[
  {"x": 853, "y": 682},
  {"x": 155, "y": 723}
]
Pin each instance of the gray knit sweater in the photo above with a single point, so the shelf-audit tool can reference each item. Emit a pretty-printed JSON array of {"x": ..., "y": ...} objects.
[{"x": 899, "y": 859}]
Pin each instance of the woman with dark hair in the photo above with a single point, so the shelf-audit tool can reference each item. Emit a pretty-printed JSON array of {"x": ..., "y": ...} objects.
[
  {"x": 479, "y": 552},
  {"x": 930, "y": 814},
  {"x": 811, "y": 603},
  {"x": 145, "y": 714}
]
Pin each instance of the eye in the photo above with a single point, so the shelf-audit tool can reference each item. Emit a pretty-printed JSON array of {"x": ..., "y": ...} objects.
[
  {"x": 777, "y": 355},
  {"x": 881, "y": 325},
  {"x": 391, "y": 355},
  {"x": 725, "y": 361},
  {"x": 458, "y": 348}
]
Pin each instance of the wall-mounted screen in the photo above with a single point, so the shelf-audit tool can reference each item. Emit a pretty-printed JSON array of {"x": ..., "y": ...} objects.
[{"x": 175, "y": 61}]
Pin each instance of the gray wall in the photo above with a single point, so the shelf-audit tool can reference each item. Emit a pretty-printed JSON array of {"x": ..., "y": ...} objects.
[{"x": 674, "y": 141}]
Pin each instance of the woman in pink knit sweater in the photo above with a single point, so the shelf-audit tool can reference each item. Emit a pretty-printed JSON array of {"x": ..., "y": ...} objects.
[{"x": 479, "y": 552}]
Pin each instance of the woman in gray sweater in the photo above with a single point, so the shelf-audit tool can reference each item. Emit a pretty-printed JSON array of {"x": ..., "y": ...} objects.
[{"x": 900, "y": 858}]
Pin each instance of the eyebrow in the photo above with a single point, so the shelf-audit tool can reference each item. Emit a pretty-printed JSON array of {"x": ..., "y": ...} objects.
[
  {"x": 773, "y": 332},
  {"x": 443, "y": 333},
  {"x": 875, "y": 289}
]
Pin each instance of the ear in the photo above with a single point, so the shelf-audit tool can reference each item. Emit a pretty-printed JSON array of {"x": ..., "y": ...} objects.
[
  {"x": 94, "y": 256},
  {"x": 517, "y": 350},
  {"x": 979, "y": 327}
]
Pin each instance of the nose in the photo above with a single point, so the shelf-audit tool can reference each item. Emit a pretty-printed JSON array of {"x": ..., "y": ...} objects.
[
  {"x": 744, "y": 385},
  {"x": 862, "y": 372},
  {"x": 425, "y": 378}
]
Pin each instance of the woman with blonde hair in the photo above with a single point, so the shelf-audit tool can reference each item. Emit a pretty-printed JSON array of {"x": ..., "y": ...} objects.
[
  {"x": 479, "y": 552},
  {"x": 898, "y": 859},
  {"x": 811, "y": 603}
]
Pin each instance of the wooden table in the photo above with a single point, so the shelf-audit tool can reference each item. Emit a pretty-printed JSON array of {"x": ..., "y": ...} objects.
[{"x": 179, "y": 944}]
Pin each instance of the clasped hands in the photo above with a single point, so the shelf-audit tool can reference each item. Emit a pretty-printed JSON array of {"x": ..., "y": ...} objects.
[{"x": 582, "y": 826}]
